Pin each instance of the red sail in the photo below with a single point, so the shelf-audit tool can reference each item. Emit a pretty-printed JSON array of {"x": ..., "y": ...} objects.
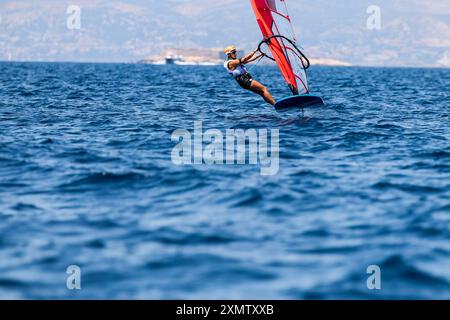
[{"x": 275, "y": 24}]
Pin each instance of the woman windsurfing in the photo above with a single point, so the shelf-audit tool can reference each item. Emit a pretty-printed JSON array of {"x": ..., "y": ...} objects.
[{"x": 236, "y": 67}]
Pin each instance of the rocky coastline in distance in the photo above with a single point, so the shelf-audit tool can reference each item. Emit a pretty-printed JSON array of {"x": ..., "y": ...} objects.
[{"x": 215, "y": 56}]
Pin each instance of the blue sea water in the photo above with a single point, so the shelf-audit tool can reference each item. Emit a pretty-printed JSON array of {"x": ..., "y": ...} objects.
[{"x": 86, "y": 179}]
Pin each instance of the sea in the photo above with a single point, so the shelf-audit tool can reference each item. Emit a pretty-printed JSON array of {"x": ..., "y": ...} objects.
[{"x": 95, "y": 205}]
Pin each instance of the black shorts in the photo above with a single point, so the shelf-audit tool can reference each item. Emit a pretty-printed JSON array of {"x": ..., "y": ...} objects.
[{"x": 244, "y": 80}]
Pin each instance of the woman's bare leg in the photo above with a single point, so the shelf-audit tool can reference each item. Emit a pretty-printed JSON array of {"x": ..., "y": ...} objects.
[{"x": 258, "y": 88}]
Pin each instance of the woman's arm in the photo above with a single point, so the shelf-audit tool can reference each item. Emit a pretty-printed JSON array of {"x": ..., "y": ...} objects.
[
  {"x": 247, "y": 59},
  {"x": 255, "y": 58}
]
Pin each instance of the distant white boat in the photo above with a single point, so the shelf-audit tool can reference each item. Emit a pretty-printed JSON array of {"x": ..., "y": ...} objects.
[
  {"x": 190, "y": 63},
  {"x": 180, "y": 61},
  {"x": 208, "y": 64}
]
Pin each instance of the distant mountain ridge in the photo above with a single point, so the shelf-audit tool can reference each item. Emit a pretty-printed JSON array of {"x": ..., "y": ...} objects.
[{"x": 413, "y": 33}]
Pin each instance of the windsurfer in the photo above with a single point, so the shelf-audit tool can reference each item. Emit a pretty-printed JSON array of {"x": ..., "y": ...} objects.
[{"x": 236, "y": 67}]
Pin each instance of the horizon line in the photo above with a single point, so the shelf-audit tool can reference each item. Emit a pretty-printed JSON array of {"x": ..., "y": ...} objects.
[{"x": 137, "y": 63}]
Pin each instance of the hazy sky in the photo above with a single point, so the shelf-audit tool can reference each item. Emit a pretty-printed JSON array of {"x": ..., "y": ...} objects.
[{"x": 410, "y": 33}]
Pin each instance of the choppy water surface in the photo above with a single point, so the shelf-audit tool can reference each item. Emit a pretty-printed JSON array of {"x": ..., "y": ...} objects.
[{"x": 86, "y": 179}]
